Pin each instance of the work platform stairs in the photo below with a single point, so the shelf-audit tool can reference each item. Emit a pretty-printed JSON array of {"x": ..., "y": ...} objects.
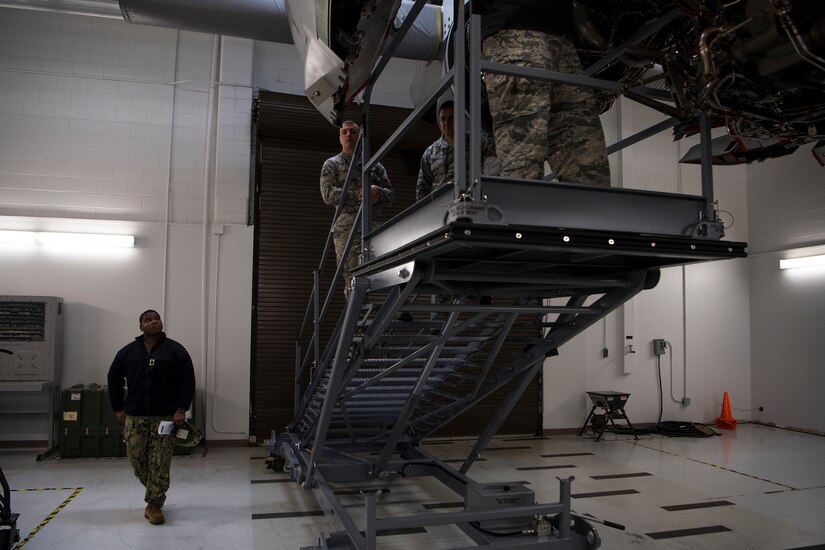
[
  {"x": 417, "y": 367},
  {"x": 428, "y": 328},
  {"x": 429, "y": 331}
]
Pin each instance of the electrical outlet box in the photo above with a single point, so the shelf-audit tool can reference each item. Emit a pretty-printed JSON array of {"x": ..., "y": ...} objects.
[
  {"x": 659, "y": 345},
  {"x": 685, "y": 401}
]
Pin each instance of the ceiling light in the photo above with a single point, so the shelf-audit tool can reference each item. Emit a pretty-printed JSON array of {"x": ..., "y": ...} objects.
[
  {"x": 49, "y": 238},
  {"x": 807, "y": 261},
  {"x": 18, "y": 237}
]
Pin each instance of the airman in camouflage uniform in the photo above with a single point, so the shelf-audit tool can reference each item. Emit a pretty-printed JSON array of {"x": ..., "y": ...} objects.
[
  {"x": 438, "y": 160},
  {"x": 333, "y": 176},
  {"x": 536, "y": 120}
]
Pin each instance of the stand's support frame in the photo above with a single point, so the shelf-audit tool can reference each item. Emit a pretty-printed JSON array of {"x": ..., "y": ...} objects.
[{"x": 368, "y": 393}]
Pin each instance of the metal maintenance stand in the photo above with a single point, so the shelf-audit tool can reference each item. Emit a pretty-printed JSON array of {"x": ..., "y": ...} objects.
[
  {"x": 613, "y": 403},
  {"x": 560, "y": 256}
]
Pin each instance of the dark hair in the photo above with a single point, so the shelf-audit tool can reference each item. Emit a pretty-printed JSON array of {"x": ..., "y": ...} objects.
[
  {"x": 445, "y": 104},
  {"x": 140, "y": 319},
  {"x": 350, "y": 122}
]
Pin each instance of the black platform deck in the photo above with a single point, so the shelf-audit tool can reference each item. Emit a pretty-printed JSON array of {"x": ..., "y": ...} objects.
[
  {"x": 423, "y": 335},
  {"x": 561, "y": 256}
]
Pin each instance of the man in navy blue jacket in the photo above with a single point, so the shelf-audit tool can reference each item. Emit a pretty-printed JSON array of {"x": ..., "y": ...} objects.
[{"x": 160, "y": 383}]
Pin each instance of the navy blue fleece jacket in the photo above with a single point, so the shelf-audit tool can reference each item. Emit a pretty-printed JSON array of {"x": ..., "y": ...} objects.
[{"x": 158, "y": 382}]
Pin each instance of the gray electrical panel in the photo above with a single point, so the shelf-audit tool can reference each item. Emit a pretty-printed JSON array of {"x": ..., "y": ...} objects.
[{"x": 31, "y": 338}]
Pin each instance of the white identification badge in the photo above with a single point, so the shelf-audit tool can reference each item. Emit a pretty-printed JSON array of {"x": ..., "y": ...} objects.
[
  {"x": 151, "y": 362},
  {"x": 165, "y": 427},
  {"x": 183, "y": 433}
]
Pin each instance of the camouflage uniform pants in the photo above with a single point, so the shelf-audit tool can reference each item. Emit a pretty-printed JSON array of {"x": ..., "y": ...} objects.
[
  {"x": 339, "y": 238},
  {"x": 150, "y": 455},
  {"x": 535, "y": 120}
]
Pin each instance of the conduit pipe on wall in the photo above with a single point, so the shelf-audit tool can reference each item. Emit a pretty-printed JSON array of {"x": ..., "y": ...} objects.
[
  {"x": 211, "y": 384},
  {"x": 680, "y": 188},
  {"x": 169, "y": 172},
  {"x": 209, "y": 177},
  {"x": 211, "y": 237},
  {"x": 627, "y": 318}
]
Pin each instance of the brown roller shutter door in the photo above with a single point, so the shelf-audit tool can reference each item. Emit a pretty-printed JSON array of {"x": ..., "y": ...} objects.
[{"x": 292, "y": 223}]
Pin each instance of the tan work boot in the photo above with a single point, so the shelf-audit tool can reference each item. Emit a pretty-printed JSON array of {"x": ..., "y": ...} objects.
[{"x": 153, "y": 513}]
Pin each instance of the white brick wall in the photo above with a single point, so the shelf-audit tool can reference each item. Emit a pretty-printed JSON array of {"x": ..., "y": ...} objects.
[
  {"x": 786, "y": 202},
  {"x": 90, "y": 120},
  {"x": 92, "y": 126},
  {"x": 234, "y": 127},
  {"x": 87, "y": 108},
  {"x": 194, "y": 60},
  {"x": 278, "y": 68},
  {"x": 78, "y": 136}
]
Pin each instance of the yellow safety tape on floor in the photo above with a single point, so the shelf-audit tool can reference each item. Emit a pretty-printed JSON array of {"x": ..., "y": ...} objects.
[
  {"x": 75, "y": 491},
  {"x": 714, "y": 465}
]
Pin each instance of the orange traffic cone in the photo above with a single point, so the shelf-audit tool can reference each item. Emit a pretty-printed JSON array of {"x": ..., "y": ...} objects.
[{"x": 726, "y": 421}]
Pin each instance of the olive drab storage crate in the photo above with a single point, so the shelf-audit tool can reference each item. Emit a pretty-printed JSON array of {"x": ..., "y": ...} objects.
[
  {"x": 87, "y": 406},
  {"x": 88, "y": 426},
  {"x": 91, "y": 443}
]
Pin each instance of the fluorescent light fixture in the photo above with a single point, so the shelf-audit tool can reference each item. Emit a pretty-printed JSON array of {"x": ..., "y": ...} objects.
[
  {"x": 18, "y": 237},
  {"x": 86, "y": 239},
  {"x": 49, "y": 238},
  {"x": 807, "y": 261}
]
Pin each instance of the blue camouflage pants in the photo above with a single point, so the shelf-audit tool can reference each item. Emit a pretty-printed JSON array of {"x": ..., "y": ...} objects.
[
  {"x": 150, "y": 455},
  {"x": 534, "y": 121}
]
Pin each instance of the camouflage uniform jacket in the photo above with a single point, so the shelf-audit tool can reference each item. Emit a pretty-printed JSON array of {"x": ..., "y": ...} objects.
[
  {"x": 333, "y": 176},
  {"x": 438, "y": 163}
]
